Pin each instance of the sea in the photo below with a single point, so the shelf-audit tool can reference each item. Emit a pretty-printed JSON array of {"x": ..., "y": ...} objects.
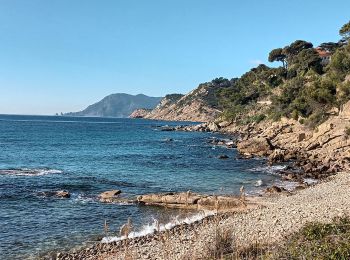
[{"x": 86, "y": 156}]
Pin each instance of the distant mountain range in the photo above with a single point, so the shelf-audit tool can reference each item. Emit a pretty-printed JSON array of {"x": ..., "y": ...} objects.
[{"x": 118, "y": 105}]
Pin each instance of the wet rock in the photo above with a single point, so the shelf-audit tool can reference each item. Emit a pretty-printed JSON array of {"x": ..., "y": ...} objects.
[
  {"x": 277, "y": 156},
  {"x": 223, "y": 156},
  {"x": 62, "y": 194},
  {"x": 213, "y": 127},
  {"x": 275, "y": 189},
  {"x": 109, "y": 196},
  {"x": 167, "y": 129}
]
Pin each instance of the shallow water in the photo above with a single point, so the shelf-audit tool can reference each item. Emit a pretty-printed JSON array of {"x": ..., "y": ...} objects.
[{"x": 87, "y": 156}]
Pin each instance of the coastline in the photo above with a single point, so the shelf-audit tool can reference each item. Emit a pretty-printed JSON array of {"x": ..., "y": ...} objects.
[
  {"x": 276, "y": 216},
  {"x": 275, "y": 219}
]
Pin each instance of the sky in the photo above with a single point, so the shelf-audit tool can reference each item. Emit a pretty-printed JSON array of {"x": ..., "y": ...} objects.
[{"x": 63, "y": 55}]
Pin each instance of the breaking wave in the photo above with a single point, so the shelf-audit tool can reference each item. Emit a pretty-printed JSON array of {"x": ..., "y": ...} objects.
[
  {"x": 155, "y": 226},
  {"x": 29, "y": 172},
  {"x": 269, "y": 169}
]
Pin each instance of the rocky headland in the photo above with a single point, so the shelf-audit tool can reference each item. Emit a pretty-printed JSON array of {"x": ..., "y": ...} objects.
[{"x": 298, "y": 113}]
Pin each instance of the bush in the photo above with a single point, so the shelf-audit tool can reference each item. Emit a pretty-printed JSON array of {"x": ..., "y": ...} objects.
[
  {"x": 295, "y": 115},
  {"x": 318, "y": 241},
  {"x": 316, "y": 119}
]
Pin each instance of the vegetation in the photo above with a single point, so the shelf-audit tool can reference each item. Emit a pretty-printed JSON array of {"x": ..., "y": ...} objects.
[
  {"x": 303, "y": 87},
  {"x": 318, "y": 241},
  {"x": 313, "y": 241},
  {"x": 173, "y": 97}
]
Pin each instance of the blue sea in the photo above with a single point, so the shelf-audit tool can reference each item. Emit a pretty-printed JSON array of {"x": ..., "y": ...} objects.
[{"x": 87, "y": 156}]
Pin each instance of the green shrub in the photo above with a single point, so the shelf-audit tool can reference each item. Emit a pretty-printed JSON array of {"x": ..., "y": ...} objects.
[
  {"x": 318, "y": 241},
  {"x": 295, "y": 114}
]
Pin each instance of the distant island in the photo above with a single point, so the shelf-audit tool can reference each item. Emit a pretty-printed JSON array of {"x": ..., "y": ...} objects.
[{"x": 119, "y": 105}]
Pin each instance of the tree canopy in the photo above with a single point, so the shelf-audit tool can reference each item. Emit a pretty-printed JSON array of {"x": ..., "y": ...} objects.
[
  {"x": 278, "y": 55},
  {"x": 345, "y": 31}
]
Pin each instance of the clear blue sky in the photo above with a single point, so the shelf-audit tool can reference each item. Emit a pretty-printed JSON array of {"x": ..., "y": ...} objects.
[{"x": 62, "y": 55}]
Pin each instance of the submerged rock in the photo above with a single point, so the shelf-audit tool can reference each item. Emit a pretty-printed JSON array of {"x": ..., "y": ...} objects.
[{"x": 60, "y": 194}]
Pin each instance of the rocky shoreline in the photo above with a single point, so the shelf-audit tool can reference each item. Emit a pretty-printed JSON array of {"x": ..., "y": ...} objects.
[
  {"x": 315, "y": 153},
  {"x": 273, "y": 220}
]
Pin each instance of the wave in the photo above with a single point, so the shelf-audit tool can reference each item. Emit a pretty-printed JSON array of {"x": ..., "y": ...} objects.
[
  {"x": 29, "y": 172},
  {"x": 269, "y": 169},
  {"x": 155, "y": 226}
]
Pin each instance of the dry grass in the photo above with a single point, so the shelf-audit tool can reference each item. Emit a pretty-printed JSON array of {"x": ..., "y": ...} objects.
[{"x": 313, "y": 241}]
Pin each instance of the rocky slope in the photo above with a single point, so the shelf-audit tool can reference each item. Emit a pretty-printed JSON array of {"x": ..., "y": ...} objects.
[
  {"x": 318, "y": 151},
  {"x": 200, "y": 105},
  {"x": 118, "y": 105}
]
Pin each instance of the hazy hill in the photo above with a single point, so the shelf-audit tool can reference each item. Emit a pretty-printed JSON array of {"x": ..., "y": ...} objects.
[{"x": 118, "y": 105}]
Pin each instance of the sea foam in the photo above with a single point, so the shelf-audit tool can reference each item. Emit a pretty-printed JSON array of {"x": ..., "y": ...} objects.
[
  {"x": 29, "y": 172},
  {"x": 155, "y": 226}
]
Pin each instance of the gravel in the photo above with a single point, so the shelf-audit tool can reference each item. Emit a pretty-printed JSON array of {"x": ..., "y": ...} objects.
[{"x": 277, "y": 217}]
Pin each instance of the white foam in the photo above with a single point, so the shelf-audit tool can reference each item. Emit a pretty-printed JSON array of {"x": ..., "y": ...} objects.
[
  {"x": 156, "y": 226},
  {"x": 310, "y": 181},
  {"x": 258, "y": 183},
  {"x": 269, "y": 169},
  {"x": 29, "y": 172}
]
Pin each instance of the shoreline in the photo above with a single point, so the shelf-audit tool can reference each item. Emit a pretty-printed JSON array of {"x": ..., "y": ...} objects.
[
  {"x": 255, "y": 143},
  {"x": 273, "y": 220}
]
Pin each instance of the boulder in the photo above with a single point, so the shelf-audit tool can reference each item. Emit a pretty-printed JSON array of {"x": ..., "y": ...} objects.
[
  {"x": 213, "y": 127},
  {"x": 109, "y": 196},
  {"x": 231, "y": 144},
  {"x": 275, "y": 189},
  {"x": 257, "y": 146},
  {"x": 224, "y": 124},
  {"x": 277, "y": 156}
]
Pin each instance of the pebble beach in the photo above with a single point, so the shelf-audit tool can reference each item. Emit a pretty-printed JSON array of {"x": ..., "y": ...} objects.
[{"x": 272, "y": 221}]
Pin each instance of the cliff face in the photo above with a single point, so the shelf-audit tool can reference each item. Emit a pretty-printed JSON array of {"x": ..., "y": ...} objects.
[
  {"x": 318, "y": 151},
  {"x": 118, "y": 105},
  {"x": 200, "y": 105}
]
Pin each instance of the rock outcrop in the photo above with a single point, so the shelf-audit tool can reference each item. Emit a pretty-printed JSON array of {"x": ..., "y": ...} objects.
[
  {"x": 140, "y": 113},
  {"x": 109, "y": 196},
  {"x": 188, "y": 200},
  {"x": 318, "y": 152},
  {"x": 62, "y": 194},
  {"x": 200, "y": 105}
]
